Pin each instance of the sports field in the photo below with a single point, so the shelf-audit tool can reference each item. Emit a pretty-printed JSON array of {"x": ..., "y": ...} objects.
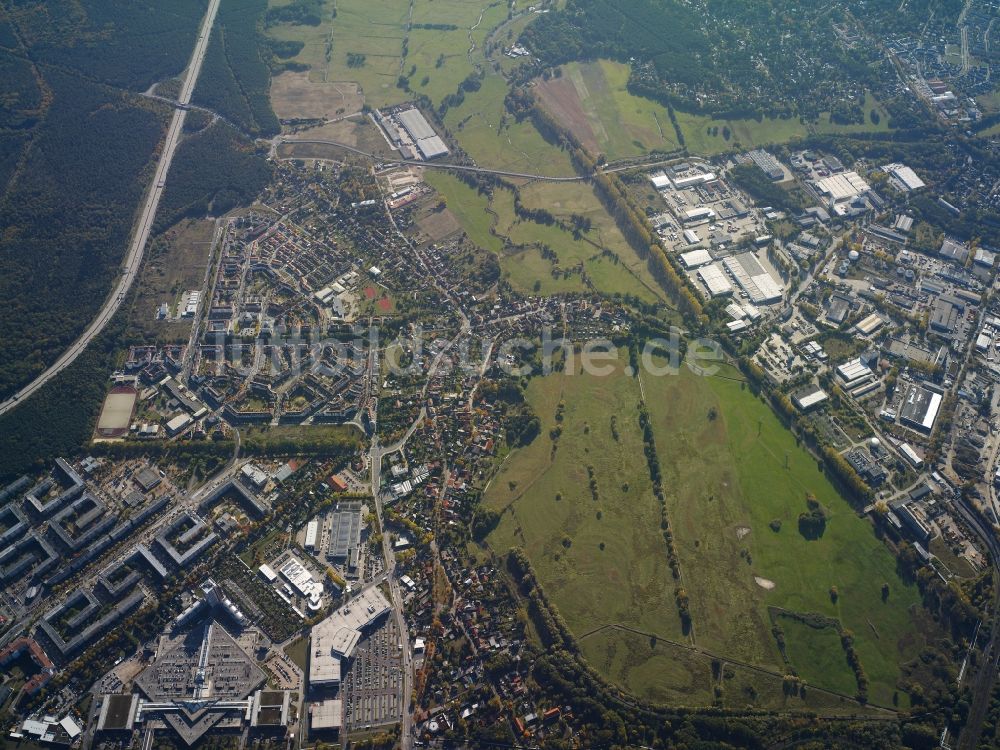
[{"x": 730, "y": 469}]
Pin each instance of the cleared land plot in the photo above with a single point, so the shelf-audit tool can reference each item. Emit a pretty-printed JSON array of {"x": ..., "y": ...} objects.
[
  {"x": 600, "y": 561},
  {"x": 175, "y": 263},
  {"x": 740, "y": 469},
  {"x": 295, "y": 97},
  {"x": 592, "y": 100}
]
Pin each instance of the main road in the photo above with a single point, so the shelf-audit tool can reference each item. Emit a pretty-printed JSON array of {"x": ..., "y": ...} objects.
[{"x": 143, "y": 227}]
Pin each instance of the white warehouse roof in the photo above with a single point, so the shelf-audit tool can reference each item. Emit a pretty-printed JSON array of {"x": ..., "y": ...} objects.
[{"x": 695, "y": 258}]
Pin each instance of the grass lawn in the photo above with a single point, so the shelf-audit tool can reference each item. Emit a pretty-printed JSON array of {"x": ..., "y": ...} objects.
[
  {"x": 627, "y": 580},
  {"x": 468, "y": 206},
  {"x": 727, "y": 478},
  {"x": 493, "y": 139},
  {"x": 817, "y": 655},
  {"x": 729, "y": 469},
  {"x": 298, "y": 652}
]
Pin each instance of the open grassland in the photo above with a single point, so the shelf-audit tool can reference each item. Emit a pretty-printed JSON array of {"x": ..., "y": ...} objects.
[
  {"x": 872, "y": 104},
  {"x": 707, "y": 136},
  {"x": 468, "y": 206},
  {"x": 519, "y": 243},
  {"x": 817, "y": 656},
  {"x": 592, "y": 100},
  {"x": 731, "y": 469},
  {"x": 600, "y": 560},
  {"x": 680, "y": 675},
  {"x": 652, "y": 669},
  {"x": 494, "y": 139},
  {"x": 446, "y": 42}
]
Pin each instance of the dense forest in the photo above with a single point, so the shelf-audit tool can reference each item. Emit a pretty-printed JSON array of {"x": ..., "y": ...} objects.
[
  {"x": 213, "y": 172},
  {"x": 235, "y": 77},
  {"x": 76, "y": 144},
  {"x": 731, "y": 58},
  {"x": 67, "y": 217}
]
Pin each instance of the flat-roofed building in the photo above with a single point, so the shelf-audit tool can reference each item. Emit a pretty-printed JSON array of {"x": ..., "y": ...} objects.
[
  {"x": 695, "y": 258},
  {"x": 854, "y": 372},
  {"x": 715, "y": 281},
  {"x": 920, "y": 408},
  {"x": 842, "y": 188},
  {"x": 809, "y": 398},
  {"x": 332, "y": 641}
]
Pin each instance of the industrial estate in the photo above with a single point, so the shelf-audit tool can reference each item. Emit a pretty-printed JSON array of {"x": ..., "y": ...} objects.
[{"x": 486, "y": 377}]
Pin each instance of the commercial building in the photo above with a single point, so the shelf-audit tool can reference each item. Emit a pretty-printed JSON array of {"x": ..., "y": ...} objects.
[
  {"x": 954, "y": 250},
  {"x": 920, "y": 408},
  {"x": 345, "y": 530},
  {"x": 312, "y": 535},
  {"x": 843, "y": 188},
  {"x": 699, "y": 215},
  {"x": 809, "y": 398},
  {"x": 903, "y": 178},
  {"x": 695, "y": 258},
  {"x": 428, "y": 143},
  {"x": 767, "y": 164},
  {"x": 715, "y": 281},
  {"x": 760, "y": 287},
  {"x": 334, "y": 640},
  {"x": 326, "y": 716},
  {"x": 854, "y": 371}
]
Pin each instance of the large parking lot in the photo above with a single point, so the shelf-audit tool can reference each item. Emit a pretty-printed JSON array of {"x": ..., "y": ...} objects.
[{"x": 373, "y": 685}]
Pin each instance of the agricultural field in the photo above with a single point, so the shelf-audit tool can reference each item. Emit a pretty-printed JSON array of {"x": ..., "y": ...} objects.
[
  {"x": 732, "y": 475},
  {"x": 592, "y": 100}
]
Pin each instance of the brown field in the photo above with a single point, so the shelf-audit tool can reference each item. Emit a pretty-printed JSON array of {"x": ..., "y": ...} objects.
[
  {"x": 295, "y": 97},
  {"x": 357, "y": 132},
  {"x": 560, "y": 97},
  {"x": 437, "y": 225},
  {"x": 174, "y": 264}
]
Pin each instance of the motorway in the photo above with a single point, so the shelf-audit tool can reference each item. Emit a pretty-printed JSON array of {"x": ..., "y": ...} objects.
[{"x": 133, "y": 261}]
